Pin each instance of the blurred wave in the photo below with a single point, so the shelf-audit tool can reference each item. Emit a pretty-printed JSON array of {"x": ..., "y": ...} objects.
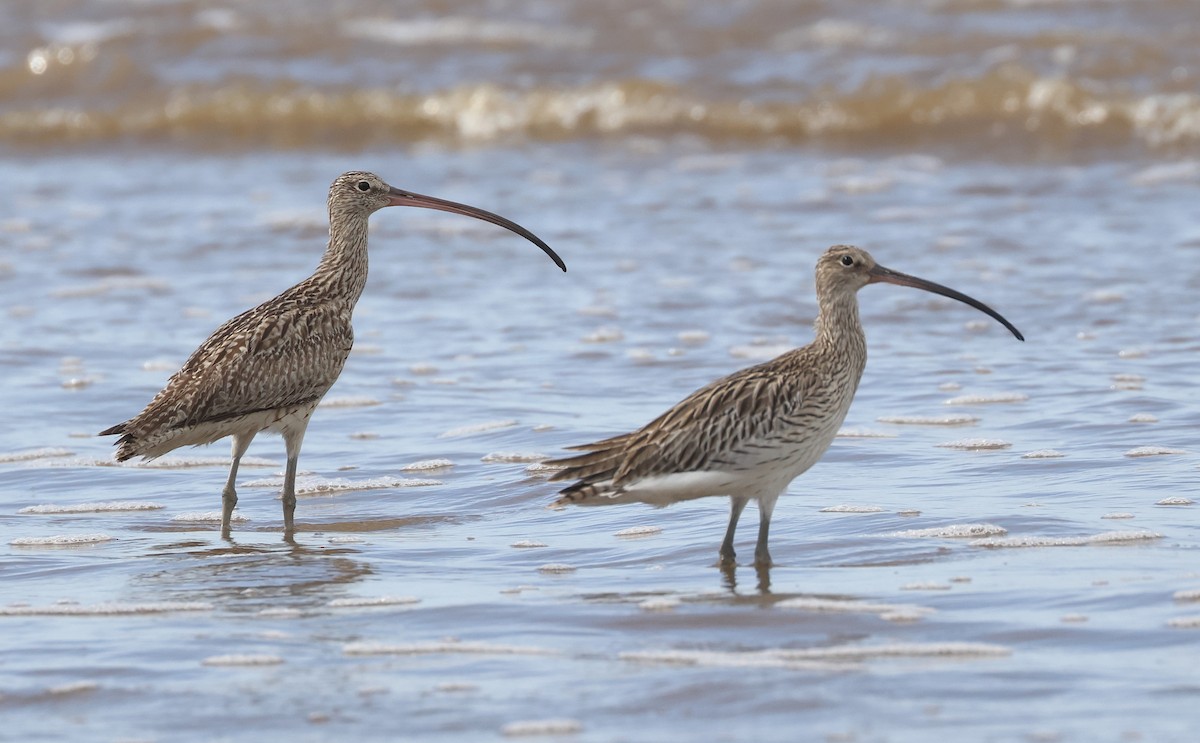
[
  {"x": 1009, "y": 105},
  {"x": 354, "y": 74}
]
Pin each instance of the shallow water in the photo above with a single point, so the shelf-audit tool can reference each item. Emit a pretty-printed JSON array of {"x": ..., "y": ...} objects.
[{"x": 1001, "y": 546}]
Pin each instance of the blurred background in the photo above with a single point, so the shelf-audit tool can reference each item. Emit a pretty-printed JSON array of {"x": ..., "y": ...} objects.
[{"x": 1000, "y": 546}]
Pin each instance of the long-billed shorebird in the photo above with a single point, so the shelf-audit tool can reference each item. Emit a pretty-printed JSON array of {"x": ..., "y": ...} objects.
[
  {"x": 748, "y": 435},
  {"x": 267, "y": 368}
]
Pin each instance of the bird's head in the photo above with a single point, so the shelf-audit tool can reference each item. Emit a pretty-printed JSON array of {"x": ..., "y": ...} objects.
[
  {"x": 844, "y": 269},
  {"x": 362, "y": 193}
]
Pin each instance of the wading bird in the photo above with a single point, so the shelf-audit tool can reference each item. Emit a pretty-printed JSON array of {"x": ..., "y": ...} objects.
[
  {"x": 267, "y": 368},
  {"x": 748, "y": 435}
]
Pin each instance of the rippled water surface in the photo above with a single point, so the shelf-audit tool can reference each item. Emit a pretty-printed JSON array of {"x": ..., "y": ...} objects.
[{"x": 1002, "y": 545}]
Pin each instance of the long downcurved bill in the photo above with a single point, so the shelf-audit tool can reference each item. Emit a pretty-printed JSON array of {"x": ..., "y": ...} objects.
[
  {"x": 879, "y": 274},
  {"x": 408, "y": 198}
]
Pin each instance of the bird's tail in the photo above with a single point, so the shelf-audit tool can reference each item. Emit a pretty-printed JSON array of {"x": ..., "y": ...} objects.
[{"x": 126, "y": 445}]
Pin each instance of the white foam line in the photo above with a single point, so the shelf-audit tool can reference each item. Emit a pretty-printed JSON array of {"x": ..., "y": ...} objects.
[
  {"x": 952, "y": 531},
  {"x": 1108, "y": 537},
  {"x": 1000, "y": 397},
  {"x": 638, "y": 532},
  {"x": 558, "y": 726},
  {"x": 723, "y": 659},
  {"x": 975, "y": 444},
  {"x": 361, "y": 601},
  {"x": 441, "y": 648},
  {"x": 477, "y": 428},
  {"x": 98, "y": 507},
  {"x": 104, "y": 610},
  {"x": 242, "y": 660},
  {"x": 207, "y": 517},
  {"x": 177, "y": 463},
  {"x": 929, "y": 420},
  {"x": 428, "y": 464},
  {"x": 514, "y": 457},
  {"x": 901, "y": 650},
  {"x": 61, "y": 540},
  {"x": 29, "y": 456},
  {"x": 317, "y": 485},
  {"x": 851, "y": 606}
]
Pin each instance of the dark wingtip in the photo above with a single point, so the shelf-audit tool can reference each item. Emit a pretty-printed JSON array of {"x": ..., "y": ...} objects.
[{"x": 119, "y": 428}]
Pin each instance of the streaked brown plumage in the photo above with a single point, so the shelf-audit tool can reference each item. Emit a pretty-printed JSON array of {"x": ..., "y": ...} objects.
[
  {"x": 748, "y": 435},
  {"x": 269, "y": 367}
]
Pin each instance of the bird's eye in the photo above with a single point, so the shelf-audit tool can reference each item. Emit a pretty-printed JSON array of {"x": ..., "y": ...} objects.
[
  {"x": 847, "y": 260},
  {"x": 364, "y": 186}
]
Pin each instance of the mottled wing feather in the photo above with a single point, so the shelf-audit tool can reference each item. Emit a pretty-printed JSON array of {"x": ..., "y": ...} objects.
[
  {"x": 705, "y": 431},
  {"x": 285, "y": 352}
]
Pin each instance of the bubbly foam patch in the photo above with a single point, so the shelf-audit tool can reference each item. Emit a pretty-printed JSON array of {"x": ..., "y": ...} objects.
[
  {"x": 1108, "y": 537},
  {"x": 29, "y": 456},
  {"x": 929, "y": 420},
  {"x": 557, "y": 726},
  {"x": 428, "y": 464},
  {"x": 864, "y": 433},
  {"x": 439, "y": 648},
  {"x": 527, "y": 544},
  {"x": 556, "y": 567},
  {"x": 73, "y": 687},
  {"x": 726, "y": 659},
  {"x": 1153, "y": 451},
  {"x": 902, "y": 650},
  {"x": 514, "y": 456},
  {"x": 999, "y": 397},
  {"x": 349, "y": 402},
  {"x": 361, "y": 601},
  {"x": 177, "y": 462},
  {"x": 660, "y": 603},
  {"x": 850, "y": 508},
  {"x": 1043, "y": 454},
  {"x": 104, "y": 610},
  {"x": 855, "y": 606},
  {"x": 637, "y": 532},
  {"x": 243, "y": 659},
  {"x": 207, "y": 517},
  {"x": 953, "y": 531},
  {"x": 1175, "y": 500},
  {"x": 98, "y": 507},
  {"x": 975, "y": 444},
  {"x": 61, "y": 540},
  {"x": 318, "y": 485},
  {"x": 925, "y": 586},
  {"x": 477, "y": 428}
]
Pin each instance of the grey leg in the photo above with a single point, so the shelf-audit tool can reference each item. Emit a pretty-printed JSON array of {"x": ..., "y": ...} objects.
[
  {"x": 762, "y": 556},
  {"x": 293, "y": 438},
  {"x": 736, "y": 505},
  {"x": 289, "y": 497},
  {"x": 241, "y": 442}
]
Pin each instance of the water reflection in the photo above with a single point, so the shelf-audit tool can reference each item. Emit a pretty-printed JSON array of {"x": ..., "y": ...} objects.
[
  {"x": 251, "y": 577},
  {"x": 762, "y": 574}
]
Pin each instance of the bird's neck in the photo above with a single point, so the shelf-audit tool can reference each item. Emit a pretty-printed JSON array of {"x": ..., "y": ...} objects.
[
  {"x": 342, "y": 273},
  {"x": 838, "y": 327}
]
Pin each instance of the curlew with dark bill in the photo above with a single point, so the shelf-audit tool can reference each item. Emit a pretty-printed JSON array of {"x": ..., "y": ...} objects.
[
  {"x": 269, "y": 367},
  {"x": 748, "y": 435}
]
